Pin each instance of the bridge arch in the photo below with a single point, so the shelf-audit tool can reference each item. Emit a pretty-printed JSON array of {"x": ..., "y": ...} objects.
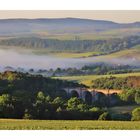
[
  {"x": 63, "y": 93},
  {"x": 74, "y": 93}
]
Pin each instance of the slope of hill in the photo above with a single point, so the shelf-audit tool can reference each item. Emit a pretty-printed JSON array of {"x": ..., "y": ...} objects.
[
  {"x": 59, "y": 26},
  {"x": 131, "y": 53}
]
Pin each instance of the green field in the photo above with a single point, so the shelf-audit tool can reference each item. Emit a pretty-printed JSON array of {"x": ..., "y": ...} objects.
[
  {"x": 87, "y": 79},
  {"x": 113, "y": 33},
  {"x": 76, "y": 55},
  {"x": 11, "y": 124}
]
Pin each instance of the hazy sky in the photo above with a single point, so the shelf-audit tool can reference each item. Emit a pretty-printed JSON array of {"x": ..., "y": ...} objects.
[{"x": 117, "y": 16}]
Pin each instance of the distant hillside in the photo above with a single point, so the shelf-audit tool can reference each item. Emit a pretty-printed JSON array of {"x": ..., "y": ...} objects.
[
  {"x": 54, "y": 45},
  {"x": 59, "y": 26},
  {"x": 132, "y": 53}
]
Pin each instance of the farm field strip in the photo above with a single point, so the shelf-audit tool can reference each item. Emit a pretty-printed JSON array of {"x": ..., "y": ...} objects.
[{"x": 11, "y": 124}]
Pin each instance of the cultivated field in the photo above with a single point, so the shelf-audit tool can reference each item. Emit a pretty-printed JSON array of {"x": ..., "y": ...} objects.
[
  {"x": 87, "y": 79},
  {"x": 75, "y": 55},
  {"x": 10, "y": 124}
]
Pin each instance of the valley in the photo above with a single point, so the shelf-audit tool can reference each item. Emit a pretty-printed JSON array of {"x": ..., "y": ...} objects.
[{"x": 69, "y": 73}]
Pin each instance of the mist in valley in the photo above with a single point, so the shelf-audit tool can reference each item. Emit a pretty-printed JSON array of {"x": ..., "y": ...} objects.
[{"x": 27, "y": 60}]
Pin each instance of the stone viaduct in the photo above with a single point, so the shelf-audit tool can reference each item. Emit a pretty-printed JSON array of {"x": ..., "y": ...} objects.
[{"x": 88, "y": 95}]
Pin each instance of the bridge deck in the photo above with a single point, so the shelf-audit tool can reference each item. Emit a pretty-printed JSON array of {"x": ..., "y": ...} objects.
[{"x": 105, "y": 91}]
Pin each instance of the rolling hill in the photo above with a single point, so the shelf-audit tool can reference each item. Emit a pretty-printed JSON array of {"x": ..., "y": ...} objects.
[{"x": 10, "y": 27}]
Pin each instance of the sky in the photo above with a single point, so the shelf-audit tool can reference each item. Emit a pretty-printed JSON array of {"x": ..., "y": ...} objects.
[{"x": 123, "y": 16}]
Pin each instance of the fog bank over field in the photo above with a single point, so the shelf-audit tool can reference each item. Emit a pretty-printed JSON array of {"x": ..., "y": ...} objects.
[{"x": 28, "y": 60}]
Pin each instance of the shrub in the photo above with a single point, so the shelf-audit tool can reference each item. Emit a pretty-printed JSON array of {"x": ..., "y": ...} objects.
[
  {"x": 104, "y": 116},
  {"x": 136, "y": 114},
  {"x": 27, "y": 115},
  {"x": 128, "y": 96},
  {"x": 95, "y": 112},
  {"x": 137, "y": 97}
]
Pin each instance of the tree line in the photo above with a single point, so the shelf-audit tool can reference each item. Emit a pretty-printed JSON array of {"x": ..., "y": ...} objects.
[
  {"x": 55, "y": 45},
  {"x": 117, "y": 82},
  {"x": 97, "y": 69},
  {"x": 44, "y": 107}
]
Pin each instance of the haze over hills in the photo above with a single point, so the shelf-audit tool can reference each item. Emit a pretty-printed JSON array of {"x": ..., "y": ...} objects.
[
  {"x": 96, "y": 40},
  {"x": 69, "y": 69},
  {"x": 59, "y": 26}
]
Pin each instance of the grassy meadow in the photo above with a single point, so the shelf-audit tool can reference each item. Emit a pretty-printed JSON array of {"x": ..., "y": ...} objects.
[
  {"x": 14, "y": 124},
  {"x": 122, "y": 109},
  {"x": 112, "y": 33},
  {"x": 76, "y": 55}
]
